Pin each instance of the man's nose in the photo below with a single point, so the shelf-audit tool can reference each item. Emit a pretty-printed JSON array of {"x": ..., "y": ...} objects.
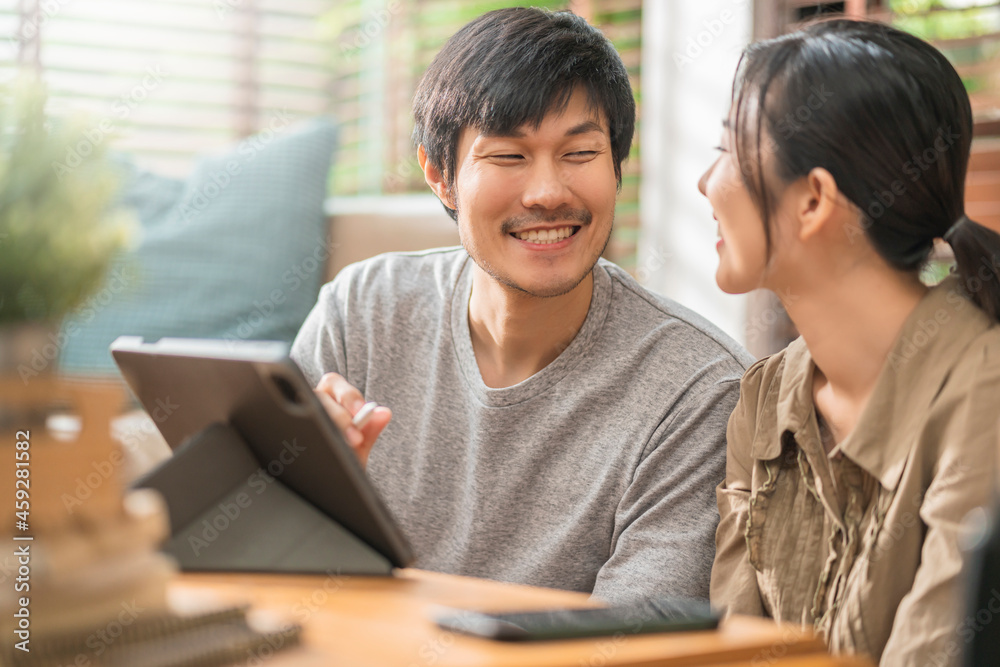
[{"x": 546, "y": 187}]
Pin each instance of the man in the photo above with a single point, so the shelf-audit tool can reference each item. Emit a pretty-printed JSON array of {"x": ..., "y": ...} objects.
[{"x": 553, "y": 423}]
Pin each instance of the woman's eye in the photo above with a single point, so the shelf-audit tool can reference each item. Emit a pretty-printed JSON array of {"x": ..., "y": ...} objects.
[
  {"x": 511, "y": 156},
  {"x": 583, "y": 154},
  {"x": 721, "y": 149}
]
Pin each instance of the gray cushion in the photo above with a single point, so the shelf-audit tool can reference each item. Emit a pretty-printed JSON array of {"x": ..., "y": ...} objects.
[{"x": 236, "y": 252}]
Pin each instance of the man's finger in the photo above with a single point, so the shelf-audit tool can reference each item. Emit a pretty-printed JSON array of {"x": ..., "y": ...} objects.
[
  {"x": 341, "y": 417},
  {"x": 380, "y": 418},
  {"x": 343, "y": 392}
]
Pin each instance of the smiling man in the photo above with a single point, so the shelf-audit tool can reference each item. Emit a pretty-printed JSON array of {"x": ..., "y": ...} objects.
[{"x": 552, "y": 422}]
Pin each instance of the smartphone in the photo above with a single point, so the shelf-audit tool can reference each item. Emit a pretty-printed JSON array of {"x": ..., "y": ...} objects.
[{"x": 662, "y": 614}]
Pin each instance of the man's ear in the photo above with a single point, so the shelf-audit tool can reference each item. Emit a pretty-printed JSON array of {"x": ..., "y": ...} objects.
[
  {"x": 817, "y": 204},
  {"x": 434, "y": 178}
]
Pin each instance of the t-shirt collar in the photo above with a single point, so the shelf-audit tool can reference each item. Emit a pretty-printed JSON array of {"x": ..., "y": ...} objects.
[{"x": 545, "y": 379}]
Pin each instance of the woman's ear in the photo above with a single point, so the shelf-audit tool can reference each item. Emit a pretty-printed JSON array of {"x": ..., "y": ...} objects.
[
  {"x": 817, "y": 205},
  {"x": 435, "y": 178}
]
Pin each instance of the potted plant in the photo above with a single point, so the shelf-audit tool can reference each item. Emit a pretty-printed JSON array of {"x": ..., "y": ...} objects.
[{"x": 58, "y": 231}]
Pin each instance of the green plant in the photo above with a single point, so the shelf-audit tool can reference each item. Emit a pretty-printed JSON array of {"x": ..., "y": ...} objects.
[{"x": 57, "y": 229}]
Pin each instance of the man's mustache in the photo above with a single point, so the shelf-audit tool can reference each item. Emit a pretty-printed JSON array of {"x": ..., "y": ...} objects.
[{"x": 579, "y": 216}]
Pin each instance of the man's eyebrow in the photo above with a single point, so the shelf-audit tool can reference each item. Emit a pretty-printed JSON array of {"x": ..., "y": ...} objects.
[
  {"x": 510, "y": 134},
  {"x": 582, "y": 128}
]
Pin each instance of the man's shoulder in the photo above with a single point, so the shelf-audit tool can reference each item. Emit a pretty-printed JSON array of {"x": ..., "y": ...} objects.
[
  {"x": 681, "y": 327},
  {"x": 430, "y": 272}
]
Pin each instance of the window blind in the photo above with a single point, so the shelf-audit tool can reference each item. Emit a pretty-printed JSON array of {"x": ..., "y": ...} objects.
[
  {"x": 165, "y": 80},
  {"x": 968, "y": 33}
]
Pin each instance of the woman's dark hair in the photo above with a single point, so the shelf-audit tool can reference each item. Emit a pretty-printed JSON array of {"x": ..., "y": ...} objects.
[
  {"x": 887, "y": 115},
  {"x": 513, "y": 66}
]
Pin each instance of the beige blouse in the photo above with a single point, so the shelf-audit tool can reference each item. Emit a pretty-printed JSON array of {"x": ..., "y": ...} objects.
[{"x": 863, "y": 543}]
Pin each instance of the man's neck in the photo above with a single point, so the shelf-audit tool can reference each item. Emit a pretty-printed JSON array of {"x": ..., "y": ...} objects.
[{"x": 515, "y": 335}]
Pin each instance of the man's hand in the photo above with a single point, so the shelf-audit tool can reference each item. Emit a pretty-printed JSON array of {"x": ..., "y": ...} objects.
[{"x": 342, "y": 401}]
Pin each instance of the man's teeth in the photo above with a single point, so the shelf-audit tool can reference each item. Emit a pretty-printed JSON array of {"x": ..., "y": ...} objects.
[{"x": 545, "y": 235}]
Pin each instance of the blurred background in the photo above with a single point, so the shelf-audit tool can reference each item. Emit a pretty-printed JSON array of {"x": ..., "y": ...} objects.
[
  {"x": 199, "y": 168},
  {"x": 167, "y": 82}
]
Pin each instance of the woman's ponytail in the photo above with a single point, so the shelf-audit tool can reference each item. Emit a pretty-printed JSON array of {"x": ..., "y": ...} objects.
[{"x": 977, "y": 256}]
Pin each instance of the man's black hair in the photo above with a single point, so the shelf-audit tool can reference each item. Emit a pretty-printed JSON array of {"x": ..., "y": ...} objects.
[{"x": 511, "y": 67}]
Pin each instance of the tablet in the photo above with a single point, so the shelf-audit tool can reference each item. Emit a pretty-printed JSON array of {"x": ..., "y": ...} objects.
[{"x": 251, "y": 392}]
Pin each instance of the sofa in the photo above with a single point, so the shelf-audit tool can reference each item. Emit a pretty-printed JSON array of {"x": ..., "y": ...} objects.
[{"x": 237, "y": 251}]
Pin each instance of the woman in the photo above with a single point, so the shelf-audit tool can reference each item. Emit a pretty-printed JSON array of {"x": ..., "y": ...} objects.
[{"x": 855, "y": 453}]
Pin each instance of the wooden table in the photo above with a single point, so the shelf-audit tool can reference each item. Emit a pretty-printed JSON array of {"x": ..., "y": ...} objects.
[{"x": 385, "y": 621}]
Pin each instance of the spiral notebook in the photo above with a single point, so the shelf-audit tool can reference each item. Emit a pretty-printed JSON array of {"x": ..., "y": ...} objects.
[{"x": 212, "y": 639}]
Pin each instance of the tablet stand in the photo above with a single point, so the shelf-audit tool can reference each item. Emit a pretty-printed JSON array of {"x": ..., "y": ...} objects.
[{"x": 230, "y": 512}]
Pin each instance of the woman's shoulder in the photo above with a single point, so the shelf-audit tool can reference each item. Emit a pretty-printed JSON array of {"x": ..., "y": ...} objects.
[
  {"x": 978, "y": 363},
  {"x": 962, "y": 417},
  {"x": 987, "y": 346},
  {"x": 975, "y": 376},
  {"x": 765, "y": 374},
  {"x": 760, "y": 390}
]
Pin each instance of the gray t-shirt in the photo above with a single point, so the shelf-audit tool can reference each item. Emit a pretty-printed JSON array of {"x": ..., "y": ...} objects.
[{"x": 596, "y": 474}]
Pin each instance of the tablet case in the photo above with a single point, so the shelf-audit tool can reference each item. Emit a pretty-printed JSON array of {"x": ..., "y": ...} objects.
[
  {"x": 228, "y": 513},
  {"x": 261, "y": 479}
]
